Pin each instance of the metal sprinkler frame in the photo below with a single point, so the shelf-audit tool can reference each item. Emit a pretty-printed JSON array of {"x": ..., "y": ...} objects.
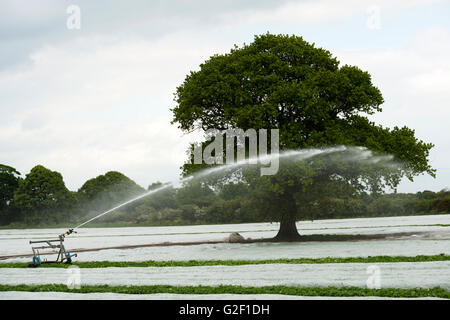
[{"x": 64, "y": 256}]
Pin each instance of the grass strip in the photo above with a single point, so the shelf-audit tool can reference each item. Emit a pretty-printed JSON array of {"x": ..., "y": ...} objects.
[
  {"x": 436, "y": 292},
  {"x": 195, "y": 263}
]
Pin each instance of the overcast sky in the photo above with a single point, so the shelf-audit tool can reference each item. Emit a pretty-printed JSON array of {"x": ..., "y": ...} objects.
[{"x": 89, "y": 100}]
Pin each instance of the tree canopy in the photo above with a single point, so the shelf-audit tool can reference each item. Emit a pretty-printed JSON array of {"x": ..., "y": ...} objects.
[
  {"x": 283, "y": 82},
  {"x": 43, "y": 192},
  {"x": 105, "y": 191},
  {"x": 233, "y": 202},
  {"x": 9, "y": 181},
  {"x": 276, "y": 82}
]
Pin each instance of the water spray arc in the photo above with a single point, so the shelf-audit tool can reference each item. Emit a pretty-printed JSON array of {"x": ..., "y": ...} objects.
[
  {"x": 297, "y": 155},
  {"x": 125, "y": 203},
  {"x": 359, "y": 154}
]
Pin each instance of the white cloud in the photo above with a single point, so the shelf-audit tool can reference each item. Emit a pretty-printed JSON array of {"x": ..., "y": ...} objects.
[
  {"x": 414, "y": 80},
  {"x": 434, "y": 82},
  {"x": 95, "y": 105},
  {"x": 315, "y": 12},
  {"x": 99, "y": 100}
]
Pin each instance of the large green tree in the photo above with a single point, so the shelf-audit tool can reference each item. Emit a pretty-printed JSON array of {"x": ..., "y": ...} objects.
[
  {"x": 9, "y": 182},
  {"x": 43, "y": 197},
  {"x": 106, "y": 190},
  {"x": 283, "y": 82}
]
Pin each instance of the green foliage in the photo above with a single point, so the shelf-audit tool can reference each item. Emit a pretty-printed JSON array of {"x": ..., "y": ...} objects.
[
  {"x": 195, "y": 193},
  {"x": 283, "y": 82},
  {"x": 399, "y": 142},
  {"x": 233, "y": 202},
  {"x": 426, "y": 195},
  {"x": 42, "y": 195},
  {"x": 441, "y": 204},
  {"x": 108, "y": 189},
  {"x": 196, "y": 263},
  {"x": 9, "y": 182},
  {"x": 437, "y": 292},
  {"x": 276, "y": 81}
]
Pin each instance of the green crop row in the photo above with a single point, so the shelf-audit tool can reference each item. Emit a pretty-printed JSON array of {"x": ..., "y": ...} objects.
[
  {"x": 193, "y": 263},
  {"x": 436, "y": 292}
]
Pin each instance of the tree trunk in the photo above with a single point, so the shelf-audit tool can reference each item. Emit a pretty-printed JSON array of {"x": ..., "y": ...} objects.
[{"x": 288, "y": 229}]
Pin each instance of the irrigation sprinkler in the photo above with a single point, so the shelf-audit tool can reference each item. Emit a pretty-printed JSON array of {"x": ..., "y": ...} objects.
[
  {"x": 64, "y": 256},
  {"x": 293, "y": 155}
]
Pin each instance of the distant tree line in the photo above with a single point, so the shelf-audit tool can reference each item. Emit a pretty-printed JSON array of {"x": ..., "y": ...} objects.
[{"x": 42, "y": 199}]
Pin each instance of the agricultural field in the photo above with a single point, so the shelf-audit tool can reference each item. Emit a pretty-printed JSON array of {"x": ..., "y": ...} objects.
[{"x": 411, "y": 254}]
